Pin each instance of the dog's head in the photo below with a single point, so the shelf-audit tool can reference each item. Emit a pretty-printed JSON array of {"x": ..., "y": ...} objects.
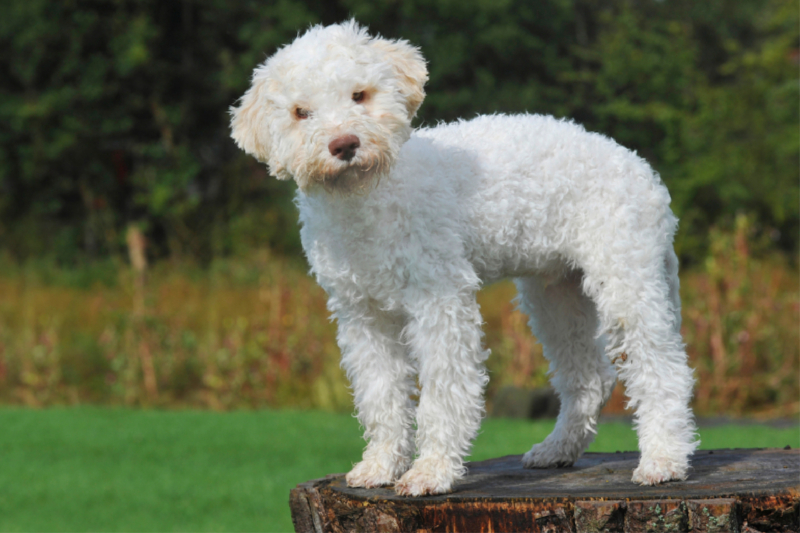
[{"x": 333, "y": 108}]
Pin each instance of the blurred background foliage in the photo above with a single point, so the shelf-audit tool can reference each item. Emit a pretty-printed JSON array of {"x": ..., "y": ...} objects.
[
  {"x": 114, "y": 112},
  {"x": 113, "y": 115}
]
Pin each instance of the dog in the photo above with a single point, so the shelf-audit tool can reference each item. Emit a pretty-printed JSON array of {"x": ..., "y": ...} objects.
[{"x": 401, "y": 229}]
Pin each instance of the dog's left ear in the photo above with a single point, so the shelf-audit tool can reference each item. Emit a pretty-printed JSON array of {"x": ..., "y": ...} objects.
[
  {"x": 409, "y": 65},
  {"x": 249, "y": 126}
]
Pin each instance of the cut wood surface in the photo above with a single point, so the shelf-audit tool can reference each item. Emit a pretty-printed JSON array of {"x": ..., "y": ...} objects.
[{"x": 746, "y": 491}]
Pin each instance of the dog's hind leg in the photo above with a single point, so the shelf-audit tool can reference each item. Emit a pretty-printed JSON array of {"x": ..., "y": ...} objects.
[
  {"x": 639, "y": 310},
  {"x": 565, "y": 321},
  {"x": 674, "y": 284},
  {"x": 381, "y": 376}
]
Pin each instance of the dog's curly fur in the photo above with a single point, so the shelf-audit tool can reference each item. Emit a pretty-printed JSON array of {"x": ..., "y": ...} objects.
[{"x": 402, "y": 228}]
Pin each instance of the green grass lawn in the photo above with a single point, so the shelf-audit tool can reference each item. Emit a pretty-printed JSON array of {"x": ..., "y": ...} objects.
[{"x": 102, "y": 469}]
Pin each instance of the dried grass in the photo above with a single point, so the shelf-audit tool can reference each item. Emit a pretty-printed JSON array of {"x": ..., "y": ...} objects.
[{"x": 256, "y": 333}]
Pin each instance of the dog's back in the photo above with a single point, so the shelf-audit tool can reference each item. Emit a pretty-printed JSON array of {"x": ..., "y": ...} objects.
[{"x": 544, "y": 192}]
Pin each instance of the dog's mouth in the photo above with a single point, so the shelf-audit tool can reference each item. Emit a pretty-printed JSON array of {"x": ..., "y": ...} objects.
[
  {"x": 356, "y": 173},
  {"x": 345, "y": 173},
  {"x": 352, "y": 177}
]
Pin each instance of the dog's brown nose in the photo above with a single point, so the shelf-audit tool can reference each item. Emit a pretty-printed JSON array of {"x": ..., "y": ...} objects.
[{"x": 344, "y": 147}]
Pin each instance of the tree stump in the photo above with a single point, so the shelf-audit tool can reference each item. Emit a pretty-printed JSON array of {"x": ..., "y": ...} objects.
[{"x": 742, "y": 491}]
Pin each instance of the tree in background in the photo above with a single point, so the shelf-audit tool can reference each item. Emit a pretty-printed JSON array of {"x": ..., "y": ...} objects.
[
  {"x": 115, "y": 112},
  {"x": 709, "y": 93}
]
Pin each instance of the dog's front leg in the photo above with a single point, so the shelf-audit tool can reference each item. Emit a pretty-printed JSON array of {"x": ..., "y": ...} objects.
[
  {"x": 445, "y": 337},
  {"x": 382, "y": 379}
]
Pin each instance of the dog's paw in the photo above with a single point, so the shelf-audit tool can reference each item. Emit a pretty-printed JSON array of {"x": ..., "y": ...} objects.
[
  {"x": 546, "y": 455},
  {"x": 369, "y": 474},
  {"x": 425, "y": 477},
  {"x": 659, "y": 470}
]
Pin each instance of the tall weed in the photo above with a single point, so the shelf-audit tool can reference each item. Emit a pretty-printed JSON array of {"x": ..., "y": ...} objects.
[
  {"x": 256, "y": 332},
  {"x": 741, "y": 315},
  {"x": 234, "y": 335}
]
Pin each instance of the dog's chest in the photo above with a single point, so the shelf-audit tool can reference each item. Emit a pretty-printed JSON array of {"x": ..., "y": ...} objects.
[{"x": 362, "y": 248}]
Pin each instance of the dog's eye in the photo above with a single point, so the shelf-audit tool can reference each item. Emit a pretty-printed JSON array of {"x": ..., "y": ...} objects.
[
  {"x": 359, "y": 97},
  {"x": 300, "y": 113}
]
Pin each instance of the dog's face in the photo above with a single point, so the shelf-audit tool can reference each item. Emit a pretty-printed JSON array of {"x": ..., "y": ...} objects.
[{"x": 333, "y": 108}]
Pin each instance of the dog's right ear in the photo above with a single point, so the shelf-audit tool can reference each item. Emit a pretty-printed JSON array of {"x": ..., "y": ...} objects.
[
  {"x": 249, "y": 121},
  {"x": 408, "y": 63}
]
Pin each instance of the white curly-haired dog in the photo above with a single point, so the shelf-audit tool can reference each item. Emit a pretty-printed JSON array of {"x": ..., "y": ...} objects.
[{"x": 402, "y": 228}]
